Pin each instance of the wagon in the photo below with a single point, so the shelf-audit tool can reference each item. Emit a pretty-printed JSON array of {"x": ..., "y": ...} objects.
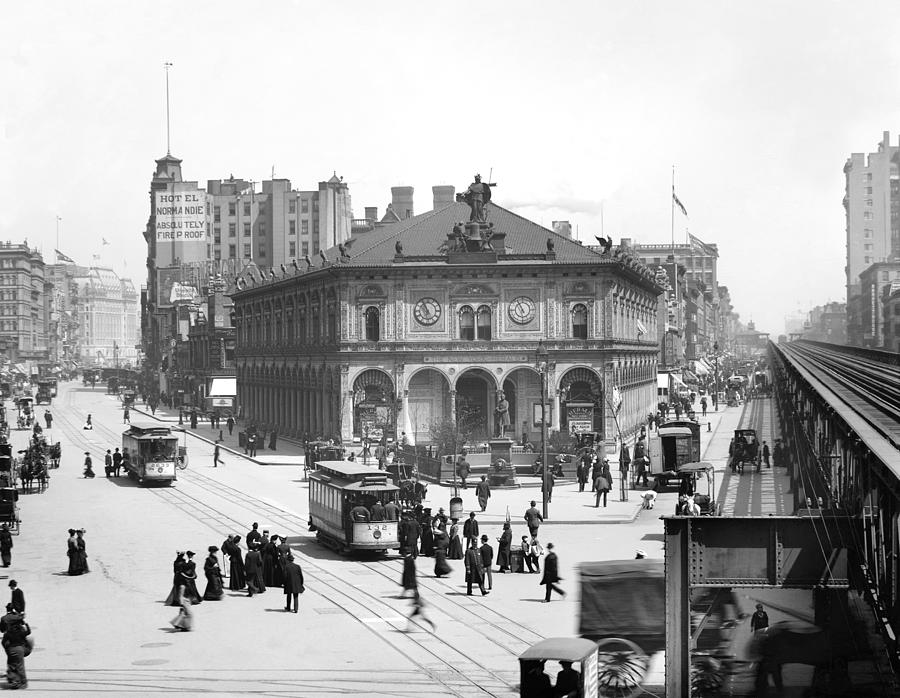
[
  {"x": 623, "y": 609},
  {"x": 744, "y": 450}
]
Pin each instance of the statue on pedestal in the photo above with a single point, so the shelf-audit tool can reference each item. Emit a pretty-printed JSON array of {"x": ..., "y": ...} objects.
[
  {"x": 501, "y": 413},
  {"x": 476, "y": 196}
]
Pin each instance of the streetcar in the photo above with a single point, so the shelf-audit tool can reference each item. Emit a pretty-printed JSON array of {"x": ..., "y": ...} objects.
[
  {"x": 341, "y": 494},
  {"x": 154, "y": 455},
  {"x": 673, "y": 445}
]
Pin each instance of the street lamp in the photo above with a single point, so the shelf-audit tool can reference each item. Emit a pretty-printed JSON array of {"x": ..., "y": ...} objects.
[
  {"x": 716, "y": 396},
  {"x": 541, "y": 364}
]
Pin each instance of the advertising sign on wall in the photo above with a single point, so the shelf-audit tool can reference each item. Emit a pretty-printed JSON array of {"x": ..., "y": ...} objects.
[{"x": 180, "y": 216}]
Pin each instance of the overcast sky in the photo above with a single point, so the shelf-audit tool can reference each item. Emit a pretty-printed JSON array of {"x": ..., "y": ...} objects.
[{"x": 571, "y": 105}]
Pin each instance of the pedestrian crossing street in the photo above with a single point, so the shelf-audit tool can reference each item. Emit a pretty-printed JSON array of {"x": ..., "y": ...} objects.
[{"x": 757, "y": 493}]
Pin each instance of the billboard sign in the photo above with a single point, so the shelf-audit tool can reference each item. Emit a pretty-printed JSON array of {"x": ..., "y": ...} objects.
[{"x": 180, "y": 215}]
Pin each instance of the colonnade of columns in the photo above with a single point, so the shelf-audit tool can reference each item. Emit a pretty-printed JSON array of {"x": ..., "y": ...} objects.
[{"x": 295, "y": 410}]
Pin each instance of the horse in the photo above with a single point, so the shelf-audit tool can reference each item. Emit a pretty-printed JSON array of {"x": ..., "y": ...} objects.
[
  {"x": 793, "y": 642},
  {"x": 412, "y": 492}
]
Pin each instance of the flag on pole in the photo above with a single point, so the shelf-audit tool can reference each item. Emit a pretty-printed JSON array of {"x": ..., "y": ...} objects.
[
  {"x": 106, "y": 243},
  {"x": 678, "y": 202},
  {"x": 63, "y": 257}
]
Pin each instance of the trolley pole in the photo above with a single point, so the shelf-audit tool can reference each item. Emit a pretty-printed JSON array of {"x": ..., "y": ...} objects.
[{"x": 542, "y": 365}]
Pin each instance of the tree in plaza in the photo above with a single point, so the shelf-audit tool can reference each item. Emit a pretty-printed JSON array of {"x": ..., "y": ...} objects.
[{"x": 448, "y": 436}]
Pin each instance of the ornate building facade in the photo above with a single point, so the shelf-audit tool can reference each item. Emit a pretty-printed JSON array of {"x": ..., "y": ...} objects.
[{"x": 423, "y": 321}]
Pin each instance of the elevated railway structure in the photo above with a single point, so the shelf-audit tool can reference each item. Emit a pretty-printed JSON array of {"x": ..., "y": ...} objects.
[{"x": 838, "y": 411}]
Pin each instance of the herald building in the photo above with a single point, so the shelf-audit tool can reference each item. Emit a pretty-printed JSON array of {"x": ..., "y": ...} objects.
[{"x": 415, "y": 323}]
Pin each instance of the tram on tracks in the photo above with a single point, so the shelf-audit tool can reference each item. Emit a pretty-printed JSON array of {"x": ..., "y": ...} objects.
[
  {"x": 154, "y": 455},
  {"x": 341, "y": 495}
]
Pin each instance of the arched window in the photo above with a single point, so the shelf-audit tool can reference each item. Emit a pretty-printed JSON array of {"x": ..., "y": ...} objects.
[
  {"x": 466, "y": 323},
  {"x": 373, "y": 324},
  {"x": 579, "y": 321},
  {"x": 484, "y": 323}
]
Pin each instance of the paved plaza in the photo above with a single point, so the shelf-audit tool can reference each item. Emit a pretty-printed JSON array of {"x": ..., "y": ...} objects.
[{"x": 108, "y": 631}]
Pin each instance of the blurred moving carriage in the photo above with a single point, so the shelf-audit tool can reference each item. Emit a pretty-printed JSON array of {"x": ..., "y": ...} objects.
[
  {"x": 25, "y": 418},
  {"x": 744, "y": 450},
  {"x": 8, "y": 466}
]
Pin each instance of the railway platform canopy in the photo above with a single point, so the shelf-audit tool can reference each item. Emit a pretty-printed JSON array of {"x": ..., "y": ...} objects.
[{"x": 839, "y": 419}]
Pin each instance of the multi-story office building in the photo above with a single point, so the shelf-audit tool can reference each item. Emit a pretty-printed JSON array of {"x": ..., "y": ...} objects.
[
  {"x": 699, "y": 259},
  {"x": 25, "y": 305},
  {"x": 872, "y": 283},
  {"x": 872, "y": 207},
  {"x": 891, "y": 308},
  {"x": 107, "y": 310},
  {"x": 195, "y": 235},
  {"x": 276, "y": 225}
]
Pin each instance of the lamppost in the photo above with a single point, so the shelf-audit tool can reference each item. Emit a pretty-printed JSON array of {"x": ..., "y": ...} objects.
[
  {"x": 716, "y": 396},
  {"x": 541, "y": 364}
]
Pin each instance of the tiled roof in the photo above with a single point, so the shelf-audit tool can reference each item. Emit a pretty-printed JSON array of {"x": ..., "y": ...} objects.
[{"x": 423, "y": 236}]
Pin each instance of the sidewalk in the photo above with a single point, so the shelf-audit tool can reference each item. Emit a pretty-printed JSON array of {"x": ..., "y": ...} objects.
[{"x": 568, "y": 505}]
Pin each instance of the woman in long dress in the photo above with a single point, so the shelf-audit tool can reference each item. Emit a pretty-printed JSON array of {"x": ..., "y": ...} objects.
[
  {"x": 174, "y": 597},
  {"x": 455, "y": 550},
  {"x": 189, "y": 575},
  {"x": 441, "y": 543},
  {"x": 82, "y": 552},
  {"x": 253, "y": 568},
  {"x": 72, "y": 553},
  {"x": 503, "y": 550},
  {"x": 427, "y": 545},
  {"x": 213, "y": 572},
  {"x": 237, "y": 579},
  {"x": 271, "y": 567},
  {"x": 185, "y": 618}
]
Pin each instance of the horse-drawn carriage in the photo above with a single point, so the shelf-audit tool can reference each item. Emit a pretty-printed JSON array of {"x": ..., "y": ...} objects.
[
  {"x": 406, "y": 477},
  {"x": 744, "y": 450},
  {"x": 33, "y": 468},
  {"x": 25, "y": 418}
]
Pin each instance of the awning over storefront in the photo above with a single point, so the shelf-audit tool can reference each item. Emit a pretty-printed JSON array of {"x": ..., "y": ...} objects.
[
  {"x": 689, "y": 377},
  {"x": 662, "y": 380},
  {"x": 223, "y": 387},
  {"x": 700, "y": 368},
  {"x": 20, "y": 368}
]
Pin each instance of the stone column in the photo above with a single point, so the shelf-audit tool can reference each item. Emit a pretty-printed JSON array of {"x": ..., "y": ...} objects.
[{"x": 453, "y": 406}]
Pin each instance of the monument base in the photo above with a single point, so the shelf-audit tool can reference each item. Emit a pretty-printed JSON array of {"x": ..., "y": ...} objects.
[{"x": 501, "y": 448}]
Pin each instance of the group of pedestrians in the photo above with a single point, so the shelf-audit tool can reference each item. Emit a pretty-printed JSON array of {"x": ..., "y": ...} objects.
[
  {"x": 269, "y": 562},
  {"x": 114, "y": 461},
  {"x": 438, "y": 536},
  {"x": 593, "y": 468},
  {"x": 77, "y": 553}
]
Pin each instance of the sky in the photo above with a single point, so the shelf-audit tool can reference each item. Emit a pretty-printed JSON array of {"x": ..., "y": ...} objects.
[{"x": 577, "y": 110}]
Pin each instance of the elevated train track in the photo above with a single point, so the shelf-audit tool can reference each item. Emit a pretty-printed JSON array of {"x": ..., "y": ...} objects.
[{"x": 839, "y": 416}]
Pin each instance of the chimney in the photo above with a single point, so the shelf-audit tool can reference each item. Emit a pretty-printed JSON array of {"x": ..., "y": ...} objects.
[
  {"x": 372, "y": 213},
  {"x": 443, "y": 194},
  {"x": 563, "y": 228},
  {"x": 402, "y": 200}
]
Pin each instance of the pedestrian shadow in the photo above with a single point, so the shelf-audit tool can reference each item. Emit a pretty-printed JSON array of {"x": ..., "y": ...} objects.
[
  {"x": 275, "y": 610},
  {"x": 653, "y": 536},
  {"x": 64, "y": 574}
]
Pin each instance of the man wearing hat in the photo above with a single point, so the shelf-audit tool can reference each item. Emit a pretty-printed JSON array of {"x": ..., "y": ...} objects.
[
  {"x": 551, "y": 574},
  {"x": 487, "y": 560},
  {"x": 293, "y": 583},
  {"x": 18, "y": 596}
]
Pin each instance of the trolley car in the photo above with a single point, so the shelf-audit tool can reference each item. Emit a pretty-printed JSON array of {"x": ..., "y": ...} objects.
[
  {"x": 341, "y": 494},
  {"x": 153, "y": 453}
]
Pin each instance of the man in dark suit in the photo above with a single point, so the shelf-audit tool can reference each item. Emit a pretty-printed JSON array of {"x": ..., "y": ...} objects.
[
  {"x": 470, "y": 531},
  {"x": 487, "y": 560},
  {"x": 253, "y": 568},
  {"x": 293, "y": 583},
  {"x": 474, "y": 571},
  {"x": 253, "y": 536},
  {"x": 18, "y": 596}
]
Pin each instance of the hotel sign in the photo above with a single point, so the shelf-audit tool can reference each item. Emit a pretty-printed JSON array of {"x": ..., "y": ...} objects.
[{"x": 180, "y": 215}]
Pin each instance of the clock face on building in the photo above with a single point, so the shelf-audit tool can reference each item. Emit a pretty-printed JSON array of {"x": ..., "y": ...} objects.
[
  {"x": 427, "y": 311},
  {"x": 521, "y": 310}
]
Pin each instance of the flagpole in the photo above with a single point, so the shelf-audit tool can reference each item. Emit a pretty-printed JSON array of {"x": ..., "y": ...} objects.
[{"x": 56, "y": 249}]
